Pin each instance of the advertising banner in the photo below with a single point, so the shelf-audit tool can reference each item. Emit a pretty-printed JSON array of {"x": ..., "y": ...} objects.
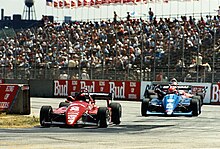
[
  {"x": 198, "y": 87},
  {"x": 129, "y": 90},
  {"x": 8, "y": 94}
]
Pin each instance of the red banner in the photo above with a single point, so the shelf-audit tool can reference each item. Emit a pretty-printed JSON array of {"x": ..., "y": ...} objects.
[
  {"x": 8, "y": 93},
  {"x": 121, "y": 89}
]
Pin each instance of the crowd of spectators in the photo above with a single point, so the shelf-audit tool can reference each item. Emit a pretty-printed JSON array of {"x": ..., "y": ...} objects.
[{"x": 118, "y": 44}]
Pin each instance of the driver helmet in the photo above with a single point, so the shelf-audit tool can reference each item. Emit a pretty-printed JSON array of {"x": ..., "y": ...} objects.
[
  {"x": 82, "y": 97},
  {"x": 172, "y": 90},
  {"x": 173, "y": 81},
  {"x": 70, "y": 98}
]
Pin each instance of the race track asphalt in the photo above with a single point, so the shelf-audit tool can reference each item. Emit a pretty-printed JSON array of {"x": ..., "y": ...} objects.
[{"x": 134, "y": 132}]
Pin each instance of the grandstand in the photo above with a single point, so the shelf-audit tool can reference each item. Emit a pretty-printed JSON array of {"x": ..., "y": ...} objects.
[{"x": 135, "y": 49}]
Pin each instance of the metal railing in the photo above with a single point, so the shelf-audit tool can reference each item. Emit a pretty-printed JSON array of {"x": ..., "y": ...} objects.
[{"x": 108, "y": 74}]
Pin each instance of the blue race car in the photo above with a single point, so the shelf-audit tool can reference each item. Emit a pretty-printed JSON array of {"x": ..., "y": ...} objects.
[{"x": 170, "y": 100}]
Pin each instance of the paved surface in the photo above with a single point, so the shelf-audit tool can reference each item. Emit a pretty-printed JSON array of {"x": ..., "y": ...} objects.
[{"x": 134, "y": 131}]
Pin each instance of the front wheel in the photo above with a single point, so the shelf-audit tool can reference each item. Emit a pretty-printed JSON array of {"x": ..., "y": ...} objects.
[
  {"x": 45, "y": 115},
  {"x": 145, "y": 106},
  {"x": 195, "y": 107},
  {"x": 116, "y": 113},
  {"x": 200, "y": 102},
  {"x": 103, "y": 117}
]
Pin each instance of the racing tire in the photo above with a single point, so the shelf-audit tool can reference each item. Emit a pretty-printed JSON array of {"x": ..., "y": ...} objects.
[
  {"x": 145, "y": 106},
  {"x": 45, "y": 115},
  {"x": 64, "y": 104},
  {"x": 153, "y": 96},
  {"x": 195, "y": 106},
  {"x": 201, "y": 95},
  {"x": 148, "y": 93},
  {"x": 103, "y": 117},
  {"x": 116, "y": 111},
  {"x": 200, "y": 102}
]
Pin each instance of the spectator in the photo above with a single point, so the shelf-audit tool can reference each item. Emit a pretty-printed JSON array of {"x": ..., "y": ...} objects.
[
  {"x": 159, "y": 77},
  {"x": 115, "y": 19},
  {"x": 84, "y": 75},
  {"x": 218, "y": 11},
  {"x": 199, "y": 61},
  {"x": 151, "y": 15},
  {"x": 180, "y": 66},
  {"x": 63, "y": 76},
  {"x": 128, "y": 16}
]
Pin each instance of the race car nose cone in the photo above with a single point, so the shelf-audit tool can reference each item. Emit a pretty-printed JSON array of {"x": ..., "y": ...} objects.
[{"x": 170, "y": 112}]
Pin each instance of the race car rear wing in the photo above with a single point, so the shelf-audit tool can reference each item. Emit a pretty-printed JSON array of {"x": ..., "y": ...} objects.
[
  {"x": 102, "y": 95},
  {"x": 181, "y": 87},
  {"x": 165, "y": 86},
  {"x": 98, "y": 95}
]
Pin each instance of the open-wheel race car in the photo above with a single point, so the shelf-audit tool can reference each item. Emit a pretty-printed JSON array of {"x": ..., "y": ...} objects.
[
  {"x": 171, "y": 100},
  {"x": 82, "y": 110}
]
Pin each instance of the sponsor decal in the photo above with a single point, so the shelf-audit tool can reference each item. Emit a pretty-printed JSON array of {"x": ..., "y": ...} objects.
[
  {"x": 169, "y": 106},
  {"x": 72, "y": 114}
]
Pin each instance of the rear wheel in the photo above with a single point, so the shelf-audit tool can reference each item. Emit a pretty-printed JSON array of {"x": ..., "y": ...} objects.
[
  {"x": 145, "y": 106},
  {"x": 195, "y": 106},
  {"x": 45, "y": 115},
  {"x": 64, "y": 104},
  {"x": 103, "y": 117},
  {"x": 116, "y": 113},
  {"x": 202, "y": 96}
]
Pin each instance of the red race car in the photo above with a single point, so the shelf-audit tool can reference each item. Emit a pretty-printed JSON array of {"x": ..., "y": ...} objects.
[{"x": 81, "y": 111}]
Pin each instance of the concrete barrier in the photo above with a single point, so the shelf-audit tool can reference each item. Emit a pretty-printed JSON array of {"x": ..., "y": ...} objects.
[
  {"x": 41, "y": 88},
  {"x": 15, "y": 98}
]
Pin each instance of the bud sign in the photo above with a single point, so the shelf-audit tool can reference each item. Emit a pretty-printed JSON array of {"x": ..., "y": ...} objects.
[{"x": 120, "y": 89}]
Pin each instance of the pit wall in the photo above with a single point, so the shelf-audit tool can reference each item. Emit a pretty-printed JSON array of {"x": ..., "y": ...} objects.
[{"x": 123, "y": 90}]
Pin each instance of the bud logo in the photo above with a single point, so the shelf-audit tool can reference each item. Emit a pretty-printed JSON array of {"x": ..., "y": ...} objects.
[
  {"x": 60, "y": 90},
  {"x": 119, "y": 91},
  {"x": 90, "y": 88},
  {"x": 215, "y": 93}
]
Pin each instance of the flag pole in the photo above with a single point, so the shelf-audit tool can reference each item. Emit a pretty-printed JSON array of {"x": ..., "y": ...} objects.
[
  {"x": 170, "y": 10},
  {"x": 209, "y": 7},
  {"x": 201, "y": 8},
  {"x": 177, "y": 9},
  {"x": 193, "y": 8},
  {"x": 162, "y": 8}
]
